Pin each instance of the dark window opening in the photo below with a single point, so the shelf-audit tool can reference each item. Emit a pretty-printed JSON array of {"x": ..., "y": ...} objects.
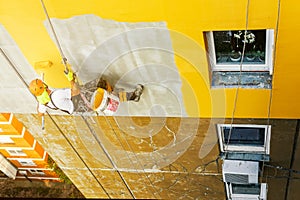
[
  {"x": 246, "y": 189},
  {"x": 229, "y": 46},
  {"x": 244, "y": 136}
]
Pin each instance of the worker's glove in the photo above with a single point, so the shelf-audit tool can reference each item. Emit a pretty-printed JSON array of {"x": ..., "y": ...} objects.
[
  {"x": 70, "y": 75},
  {"x": 64, "y": 61}
]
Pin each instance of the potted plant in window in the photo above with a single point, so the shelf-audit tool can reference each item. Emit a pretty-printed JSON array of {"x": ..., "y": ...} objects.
[
  {"x": 255, "y": 55},
  {"x": 235, "y": 54},
  {"x": 248, "y": 40},
  {"x": 250, "y": 56},
  {"x": 261, "y": 56}
]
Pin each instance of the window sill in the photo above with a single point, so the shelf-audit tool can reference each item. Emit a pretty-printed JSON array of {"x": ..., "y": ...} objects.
[{"x": 259, "y": 80}]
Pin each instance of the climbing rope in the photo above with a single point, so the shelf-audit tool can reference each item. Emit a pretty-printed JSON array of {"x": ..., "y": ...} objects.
[
  {"x": 273, "y": 64},
  {"x": 239, "y": 79},
  {"x": 54, "y": 122},
  {"x": 64, "y": 59}
]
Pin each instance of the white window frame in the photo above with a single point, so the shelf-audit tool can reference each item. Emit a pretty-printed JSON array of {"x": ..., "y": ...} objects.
[
  {"x": 16, "y": 152},
  {"x": 244, "y": 148},
  {"x": 26, "y": 162},
  {"x": 232, "y": 196},
  {"x": 6, "y": 140},
  {"x": 36, "y": 171},
  {"x": 268, "y": 66}
]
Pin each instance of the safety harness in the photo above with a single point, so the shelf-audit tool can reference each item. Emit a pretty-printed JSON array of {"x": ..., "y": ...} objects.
[{"x": 44, "y": 98}]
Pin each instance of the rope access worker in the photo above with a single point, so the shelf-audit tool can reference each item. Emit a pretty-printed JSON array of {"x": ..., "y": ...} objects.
[{"x": 96, "y": 95}]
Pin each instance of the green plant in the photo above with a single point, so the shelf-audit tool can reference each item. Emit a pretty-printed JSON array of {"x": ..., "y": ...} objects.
[{"x": 52, "y": 165}]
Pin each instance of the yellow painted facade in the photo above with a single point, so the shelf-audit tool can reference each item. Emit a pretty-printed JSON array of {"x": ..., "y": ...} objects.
[
  {"x": 18, "y": 145},
  {"x": 186, "y": 20}
]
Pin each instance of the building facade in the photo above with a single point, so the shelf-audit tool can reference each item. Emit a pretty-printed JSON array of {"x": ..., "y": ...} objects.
[
  {"x": 206, "y": 66},
  {"x": 23, "y": 152}
]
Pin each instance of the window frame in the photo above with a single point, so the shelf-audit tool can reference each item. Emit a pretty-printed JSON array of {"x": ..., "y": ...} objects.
[
  {"x": 6, "y": 140},
  {"x": 244, "y": 148},
  {"x": 268, "y": 66},
  {"x": 36, "y": 172},
  {"x": 232, "y": 196},
  {"x": 16, "y": 153},
  {"x": 24, "y": 162}
]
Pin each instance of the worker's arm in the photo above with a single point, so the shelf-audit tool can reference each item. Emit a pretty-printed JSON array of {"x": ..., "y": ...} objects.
[
  {"x": 41, "y": 109},
  {"x": 74, "y": 85}
]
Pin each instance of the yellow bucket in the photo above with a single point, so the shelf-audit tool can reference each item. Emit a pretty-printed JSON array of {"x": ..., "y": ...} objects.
[{"x": 103, "y": 101}]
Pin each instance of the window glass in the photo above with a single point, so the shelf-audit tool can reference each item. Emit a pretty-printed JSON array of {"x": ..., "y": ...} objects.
[
  {"x": 6, "y": 140},
  {"x": 229, "y": 46},
  {"x": 250, "y": 136},
  {"x": 36, "y": 171},
  {"x": 246, "y": 189},
  {"x": 16, "y": 152},
  {"x": 27, "y": 163}
]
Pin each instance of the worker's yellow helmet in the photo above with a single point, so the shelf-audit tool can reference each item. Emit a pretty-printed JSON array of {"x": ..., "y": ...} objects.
[{"x": 36, "y": 87}]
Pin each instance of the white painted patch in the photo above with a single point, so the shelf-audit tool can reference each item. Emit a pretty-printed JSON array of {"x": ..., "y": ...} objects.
[{"x": 128, "y": 54}]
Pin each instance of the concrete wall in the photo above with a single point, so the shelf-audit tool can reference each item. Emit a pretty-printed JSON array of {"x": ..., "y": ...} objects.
[{"x": 152, "y": 158}]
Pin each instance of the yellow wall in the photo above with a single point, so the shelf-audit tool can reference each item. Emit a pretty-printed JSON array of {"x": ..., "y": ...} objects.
[{"x": 186, "y": 20}]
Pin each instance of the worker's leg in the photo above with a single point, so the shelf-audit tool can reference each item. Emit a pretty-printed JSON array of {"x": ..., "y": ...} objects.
[
  {"x": 104, "y": 84},
  {"x": 131, "y": 96},
  {"x": 75, "y": 90}
]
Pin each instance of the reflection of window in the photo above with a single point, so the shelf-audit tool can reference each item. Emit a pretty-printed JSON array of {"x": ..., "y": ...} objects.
[
  {"x": 6, "y": 140},
  {"x": 36, "y": 171},
  {"x": 246, "y": 191},
  {"x": 16, "y": 152},
  {"x": 27, "y": 163},
  {"x": 244, "y": 138},
  {"x": 226, "y": 47}
]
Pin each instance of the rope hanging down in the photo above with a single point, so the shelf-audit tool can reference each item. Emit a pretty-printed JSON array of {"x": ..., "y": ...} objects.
[
  {"x": 273, "y": 64},
  {"x": 64, "y": 59},
  {"x": 54, "y": 122},
  {"x": 128, "y": 156},
  {"x": 239, "y": 79}
]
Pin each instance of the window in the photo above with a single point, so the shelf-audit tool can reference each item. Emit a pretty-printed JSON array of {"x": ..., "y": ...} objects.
[
  {"x": 244, "y": 138},
  {"x": 225, "y": 55},
  {"x": 246, "y": 191},
  {"x": 26, "y": 162},
  {"x": 6, "y": 140},
  {"x": 226, "y": 47},
  {"x": 36, "y": 171},
  {"x": 16, "y": 152}
]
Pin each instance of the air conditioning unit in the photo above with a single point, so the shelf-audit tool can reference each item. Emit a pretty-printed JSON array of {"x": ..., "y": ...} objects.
[
  {"x": 246, "y": 191},
  {"x": 240, "y": 171}
]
